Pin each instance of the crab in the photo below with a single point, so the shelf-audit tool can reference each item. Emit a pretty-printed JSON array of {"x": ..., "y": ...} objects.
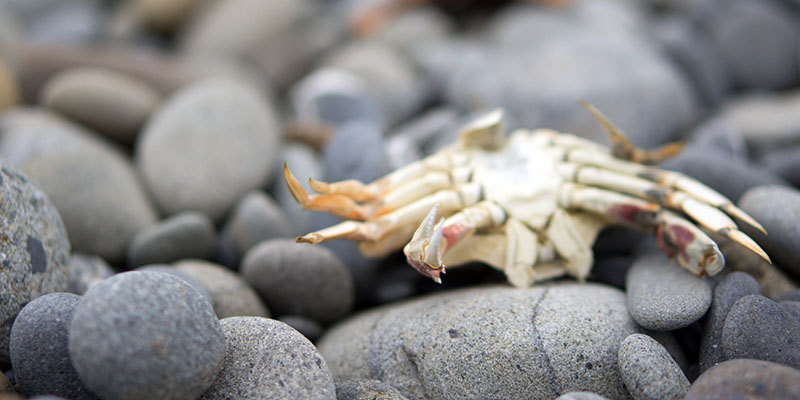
[{"x": 530, "y": 204}]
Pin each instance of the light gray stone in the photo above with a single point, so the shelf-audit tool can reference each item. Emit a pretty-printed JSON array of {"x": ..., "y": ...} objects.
[
  {"x": 230, "y": 294},
  {"x": 489, "y": 342},
  {"x": 649, "y": 371},
  {"x": 188, "y": 234},
  {"x": 85, "y": 270},
  {"x": 778, "y": 210}
]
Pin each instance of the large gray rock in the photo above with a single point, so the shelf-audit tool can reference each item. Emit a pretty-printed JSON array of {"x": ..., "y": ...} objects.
[
  {"x": 207, "y": 144},
  {"x": 489, "y": 342},
  {"x": 34, "y": 249}
]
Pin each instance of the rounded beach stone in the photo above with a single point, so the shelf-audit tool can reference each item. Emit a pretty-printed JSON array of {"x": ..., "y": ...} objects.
[
  {"x": 188, "y": 234},
  {"x": 109, "y": 102},
  {"x": 39, "y": 348},
  {"x": 730, "y": 289},
  {"x": 663, "y": 296},
  {"x": 255, "y": 218},
  {"x": 299, "y": 279},
  {"x": 231, "y": 295},
  {"x": 366, "y": 389},
  {"x": 85, "y": 270},
  {"x": 142, "y": 335},
  {"x": 776, "y": 208},
  {"x": 649, "y": 371},
  {"x": 168, "y": 269},
  {"x": 34, "y": 249},
  {"x": 581, "y": 396},
  {"x": 267, "y": 359},
  {"x": 746, "y": 379},
  {"x": 207, "y": 144},
  {"x": 759, "y": 328},
  {"x": 489, "y": 342}
]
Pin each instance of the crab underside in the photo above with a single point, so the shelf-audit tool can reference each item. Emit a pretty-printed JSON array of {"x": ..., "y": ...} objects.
[{"x": 530, "y": 204}]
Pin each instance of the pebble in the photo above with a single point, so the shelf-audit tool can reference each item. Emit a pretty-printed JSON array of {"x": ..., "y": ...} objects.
[
  {"x": 414, "y": 27},
  {"x": 112, "y": 205},
  {"x": 9, "y": 92},
  {"x": 165, "y": 15},
  {"x": 769, "y": 120},
  {"x": 793, "y": 307},
  {"x": 233, "y": 133},
  {"x": 311, "y": 329},
  {"x": 34, "y": 248},
  {"x": 784, "y": 163},
  {"x": 581, "y": 396},
  {"x": 188, "y": 234},
  {"x": 231, "y": 295},
  {"x": 255, "y": 218},
  {"x": 771, "y": 278},
  {"x": 145, "y": 335},
  {"x": 793, "y": 295},
  {"x": 663, "y": 296},
  {"x": 730, "y": 289},
  {"x": 335, "y": 96},
  {"x": 299, "y": 279},
  {"x": 740, "y": 31},
  {"x": 489, "y": 342},
  {"x": 746, "y": 379},
  {"x": 108, "y": 102},
  {"x": 718, "y": 135},
  {"x": 366, "y": 389},
  {"x": 649, "y": 371},
  {"x": 356, "y": 151},
  {"x": 168, "y": 269},
  {"x": 777, "y": 209},
  {"x": 56, "y": 21},
  {"x": 267, "y": 359},
  {"x": 38, "y": 348},
  {"x": 85, "y": 270},
  {"x": 759, "y": 328}
]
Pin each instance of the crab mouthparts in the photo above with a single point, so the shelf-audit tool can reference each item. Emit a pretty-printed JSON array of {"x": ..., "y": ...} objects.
[{"x": 424, "y": 251}]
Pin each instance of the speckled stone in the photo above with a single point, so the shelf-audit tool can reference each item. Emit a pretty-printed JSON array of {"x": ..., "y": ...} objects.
[
  {"x": 233, "y": 132},
  {"x": 111, "y": 103},
  {"x": 746, "y": 379},
  {"x": 730, "y": 289},
  {"x": 759, "y": 328},
  {"x": 142, "y": 335},
  {"x": 188, "y": 234},
  {"x": 267, "y": 359},
  {"x": 231, "y": 295},
  {"x": 299, "y": 279},
  {"x": 255, "y": 218},
  {"x": 581, "y": 396},
  {"x": 489, "y": 342},
  {"x": 793, "y": 307},
  {"x": 85, "y": 270},
  {"x": 777, "y": 208},
  {"x": 168, "y": 269},
  {"x": 39, "y": 348},
  {"x": 663, "y": 296},
  {"x": 366, "y": 389},
  {"x": 34, "y": 249},
  {"x": 649, "y": 371}
]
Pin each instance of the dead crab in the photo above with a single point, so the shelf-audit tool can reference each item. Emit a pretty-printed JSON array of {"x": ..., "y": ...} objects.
[{"x": 530, "y": 205}]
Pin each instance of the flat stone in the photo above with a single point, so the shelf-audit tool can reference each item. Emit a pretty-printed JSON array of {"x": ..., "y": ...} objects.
[
  {"x": 86, "y": 270},
  {"x": 233, "y": 133},
  {"x": 145, "y": 335},
  {"x": 745, "y": 379},
  {"x": 109, "y": 102},
  {"x": 255, "y": 218},
  {"x": 366, "y": 389},
  {"x": 649, "y": 371},
  {"x": 39, "y": 348},
  {"x": 267, "y": 359},
  {"x": 777, "y": 209},
  {"x": 730, "y": 289},
  {"x": 299, "y": 279},
  {"x": 663, "y": 296},
  {"x": 188, "y": 234},
  {"x": 230, "y": 294},
  {"x": 34, "y": 248},
  {"x": 759, "y": 328},
  {"x": 489, "y": 342}
]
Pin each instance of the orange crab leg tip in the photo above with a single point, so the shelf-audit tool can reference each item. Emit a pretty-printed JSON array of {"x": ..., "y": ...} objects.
[
  {"x": 295, "y": 188},
  {"x": 737, "y": 212},
  {"x": 318, "y": 186}
]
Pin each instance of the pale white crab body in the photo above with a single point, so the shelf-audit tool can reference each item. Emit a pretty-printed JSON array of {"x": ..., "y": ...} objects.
[{"x": 531, "y": 205}]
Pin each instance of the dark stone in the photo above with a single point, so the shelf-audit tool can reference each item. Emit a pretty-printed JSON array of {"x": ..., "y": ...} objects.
[{"x": 746, "y": 379}]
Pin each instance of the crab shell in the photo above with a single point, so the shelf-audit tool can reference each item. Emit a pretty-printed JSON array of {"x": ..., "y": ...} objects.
[{"x": 530, "y": 204}]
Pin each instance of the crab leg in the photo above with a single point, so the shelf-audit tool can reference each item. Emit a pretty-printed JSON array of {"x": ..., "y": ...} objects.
[{"x": 336, "y": 204}]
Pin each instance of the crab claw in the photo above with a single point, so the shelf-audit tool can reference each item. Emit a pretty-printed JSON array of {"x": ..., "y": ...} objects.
[{"x": 425, "y": 250}]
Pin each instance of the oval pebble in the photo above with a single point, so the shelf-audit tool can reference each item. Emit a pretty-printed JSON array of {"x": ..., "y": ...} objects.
[
  {"x": 777, "y": 208},
  {"x": 255, "y": 218},
  {"x": 188, "y": 234},
  {"x": 144, "y": 334},
  {"x": 109, "y": 102},
  {"x": 168, "y": 269},
  {"x": 34, "y": 248},
  {"x": 299, "y": 279},
  {"x": 489, "y": 342},
  {"x": 746, "y": 379},
  {"x": 267, "y": 359},
  {"x": 759, "y": 328},
  {"x": 85, "y": 270},
  {"x": 649, "y": 371},
  {"x": 208, "y": 143},
  {"x": 230, "y": 294},
  {"x": 581, "y": 396},
  {"x": 730, "y": 289},
  {"x": 366, "y": 389},
  {"x": 663, "y": 296},
  {"x": 39, "y": 348}
]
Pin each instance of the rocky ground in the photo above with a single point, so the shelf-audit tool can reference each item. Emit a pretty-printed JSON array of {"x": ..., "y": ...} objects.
[{"x": 145, "y": 229}]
